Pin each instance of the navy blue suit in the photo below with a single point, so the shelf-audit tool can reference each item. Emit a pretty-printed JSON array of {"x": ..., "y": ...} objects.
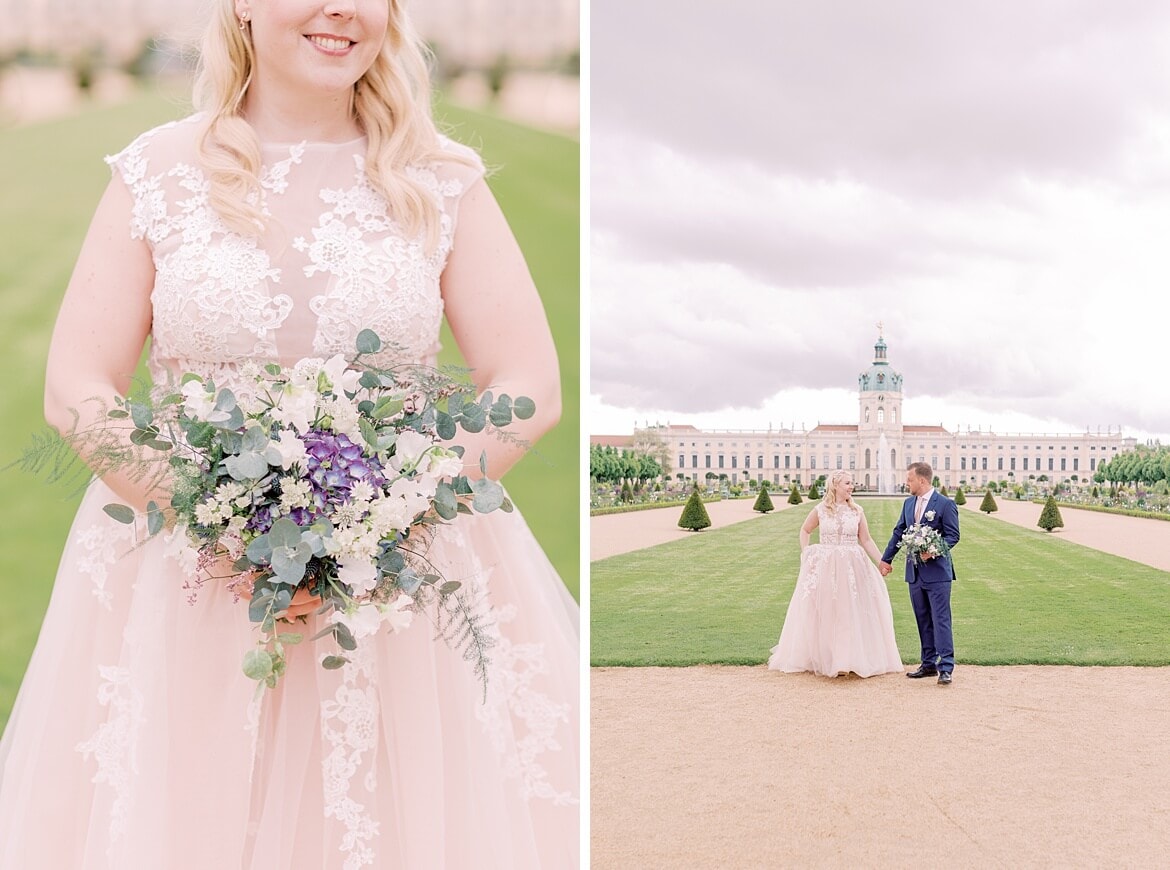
[{"x": 930, "y": 580}]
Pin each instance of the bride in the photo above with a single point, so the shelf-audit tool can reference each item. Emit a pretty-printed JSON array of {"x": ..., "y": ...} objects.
[
  {"x": 309, "y": 198},
  {"x": 839, "y": 619}
]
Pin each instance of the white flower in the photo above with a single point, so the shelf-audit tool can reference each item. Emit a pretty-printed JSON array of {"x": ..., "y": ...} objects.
[
  {"x": 397, "y": 613},
  {"x": 178, "y": 547},
  {"x": 290, "y": 448},
  {"x": 198, "y": 403},
  {"x": 409, "y": 448},
  {"x": 296, "y": 406},
  {"x": 362, "y": 621},
  {"x": 445, "y": 463},
  {"x": 342, "y": 378},
  {"x": 304, "y": 373},
  {"x": 207, "y": 513},
  {"x": 417, "y": 492},
  {"x": 390, "y": 514},
  {"x": 294, "y": 493},
  {"x": 360, "y": 576},
  {"x": 361, "y": 492},
  {"x": 929, "y": 515}
]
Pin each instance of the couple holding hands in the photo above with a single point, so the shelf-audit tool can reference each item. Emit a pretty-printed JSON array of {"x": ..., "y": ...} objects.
[{"x": 840, "y": 620}]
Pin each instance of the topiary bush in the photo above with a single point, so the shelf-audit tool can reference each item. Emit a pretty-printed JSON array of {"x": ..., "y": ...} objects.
[
  {"x": 794, "y": 495},
  {"x": 694, "y": 515},
  {"x": 627, "y": 494},
  {"x": 959, "y": 497},
  {"x": 1050, "y": 517},
  {"x": 989, "y": 504},
  {"x": 813, "y": 492},
  {"x": 763, "y": 501}
]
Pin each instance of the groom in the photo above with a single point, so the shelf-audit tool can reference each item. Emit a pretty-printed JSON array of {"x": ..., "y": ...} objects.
[{"x": 929, "y": 578}]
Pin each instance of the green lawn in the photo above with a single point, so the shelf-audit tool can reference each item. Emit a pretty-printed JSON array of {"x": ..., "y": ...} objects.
[
  {"x": 51, "y": 176},
  {"x": 1022, "y": 597}
]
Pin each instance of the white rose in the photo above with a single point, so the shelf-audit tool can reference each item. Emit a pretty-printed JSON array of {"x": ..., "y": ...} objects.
[{"x": 389, "y": 514}]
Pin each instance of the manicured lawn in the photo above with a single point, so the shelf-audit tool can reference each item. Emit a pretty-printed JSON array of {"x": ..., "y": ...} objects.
[
  {"x": 51, "y": 176},
  {"x": 1022, "y": 597}
]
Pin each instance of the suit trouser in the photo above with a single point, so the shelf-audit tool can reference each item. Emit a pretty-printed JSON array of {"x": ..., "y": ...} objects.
[{"x": 932, "y": 610}]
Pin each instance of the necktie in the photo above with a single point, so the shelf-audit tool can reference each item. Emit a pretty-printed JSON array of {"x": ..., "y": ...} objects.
[{"x": 918, "y": 507}]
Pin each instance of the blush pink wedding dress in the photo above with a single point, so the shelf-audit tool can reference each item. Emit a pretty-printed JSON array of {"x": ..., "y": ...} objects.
[
  {"x": 839, "y": 619},
  {"x": 136, "y": 742}
]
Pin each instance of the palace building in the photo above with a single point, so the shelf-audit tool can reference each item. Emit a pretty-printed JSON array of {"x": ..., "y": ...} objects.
[{"x": 879, "y": 446}]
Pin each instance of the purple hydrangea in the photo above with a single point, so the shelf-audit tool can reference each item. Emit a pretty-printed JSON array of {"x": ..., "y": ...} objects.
[{"x": 334, "y": 464}]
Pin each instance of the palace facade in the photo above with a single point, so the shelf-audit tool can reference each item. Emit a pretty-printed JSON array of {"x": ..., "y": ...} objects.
[{"x": 879, "y": 446}]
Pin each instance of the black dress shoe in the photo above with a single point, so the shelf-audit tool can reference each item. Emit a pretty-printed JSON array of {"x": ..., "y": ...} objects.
[
  {"x": 923, "y": 671},
  {"x": 944, "y": 678}
]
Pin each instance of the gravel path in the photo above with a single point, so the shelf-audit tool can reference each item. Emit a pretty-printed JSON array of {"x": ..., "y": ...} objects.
[{"x": 712, "y": 767}]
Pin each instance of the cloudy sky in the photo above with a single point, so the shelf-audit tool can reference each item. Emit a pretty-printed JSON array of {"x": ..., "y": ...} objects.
[{"x": 770, "y": 180}]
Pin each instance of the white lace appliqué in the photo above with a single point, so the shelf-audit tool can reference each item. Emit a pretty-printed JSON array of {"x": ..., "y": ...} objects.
[
  {"x": 112, "y": 745},
  {"x": 379, "y": 278},
  {"x": 349, "y": 724},
  {"x": 102, "y": 546}
]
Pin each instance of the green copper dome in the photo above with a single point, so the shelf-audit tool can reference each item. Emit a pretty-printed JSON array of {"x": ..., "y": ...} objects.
[{"x": 879, "y": 377}]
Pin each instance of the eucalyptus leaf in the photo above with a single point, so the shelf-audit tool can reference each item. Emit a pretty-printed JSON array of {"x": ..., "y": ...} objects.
[
  {"x": 289, "y": 563},
  {"x": 445, "y": 426},
  {"x": 472, "y": 418},
  {"x": 259, "y": 552},
  {"x": 120, "y": 513},
  {"x": 446, "y": 505},
  {"x": 464, "y": 509},
  {"x": 523, "y": 407},
  {"x": 258, "y": 606},
  {"x": 368, "y": 341},
  {"x": 225, "y": 401},
  {"x": 257, "y": 664},
  {"x": 483, "y": 462},
  {"x": 449, "y": 587},
  {"x": 369, "y": 433},
  {"x": 344, "y": 637},
  {"x": 154, "y": 519},
  {"x": 117, "y": 415},
  {"x": 455, "y": 403},
  {"x": 291, "y": 638},
  {"x": 488, "y": 496},
  {"x": 141, "y": 414},
  {"x": 284, "y": 533},
  {"x": 332, "y": 663},
  {"x": 500, "y": 415},
  {"x": 370, "y": 380},
  {"x": 506, "y": 505},
  {"x": 408, "y": 581},
  {"x": 246, "y": 466},
  {"x": 255, "y": 440},
  {"x": 391, "y": 562}
]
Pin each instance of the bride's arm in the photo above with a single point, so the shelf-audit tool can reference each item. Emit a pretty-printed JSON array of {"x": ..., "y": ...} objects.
[
  {"x": 866, "y": 540},
  {"x": 99, "y": 335},
  {"x": 496, "y": 316},
  {"x": 811, "y": 522}
]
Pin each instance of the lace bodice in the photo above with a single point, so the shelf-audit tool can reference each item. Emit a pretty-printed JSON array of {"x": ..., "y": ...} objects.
[
  {"x": 840, "y": 526},
  {"x": 331, "y": 262}
]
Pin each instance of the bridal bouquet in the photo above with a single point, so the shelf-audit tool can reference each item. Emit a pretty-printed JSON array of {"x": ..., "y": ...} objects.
[
  {"x": 921, "y": 540},
  {"x": 313, "y": 488}
]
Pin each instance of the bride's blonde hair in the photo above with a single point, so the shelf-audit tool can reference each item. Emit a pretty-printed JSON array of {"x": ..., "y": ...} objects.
[
  {"x": 830, "y": 497},
  {"x": 391, "y": 103}
]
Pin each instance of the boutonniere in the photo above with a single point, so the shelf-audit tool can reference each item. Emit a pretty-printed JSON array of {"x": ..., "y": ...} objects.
[{"x": 929, "y": 515}]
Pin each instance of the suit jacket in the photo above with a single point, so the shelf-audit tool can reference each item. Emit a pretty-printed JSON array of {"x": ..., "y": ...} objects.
[{"x": 940, "y": 513}]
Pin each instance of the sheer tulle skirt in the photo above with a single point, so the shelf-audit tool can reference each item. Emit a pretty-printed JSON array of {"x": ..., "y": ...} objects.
[
  {"x": 136, "y": 740},
  {"x": 839, "y": 619}
]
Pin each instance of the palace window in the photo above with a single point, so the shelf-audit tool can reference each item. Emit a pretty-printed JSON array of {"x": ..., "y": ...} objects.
[
  {"x": 1063, "y": 462},
  {"x": 1076, "y": 464},
  {"x": 881, "y": 415},
  {"x": 720, "y": 460},
  {"x": 733, "y": 458},
  {"x": 759, "y": 462},
  {"x": 1050, "y": 461},
  {"x": 812, "y": 462},
  {"x": 985, "y": 466},
  {"x": 708, "y": 458},
  {"x": 1000, "y": 464},
  {"x": 682, "y": 461},
  {"x": 694, "y": 460}
]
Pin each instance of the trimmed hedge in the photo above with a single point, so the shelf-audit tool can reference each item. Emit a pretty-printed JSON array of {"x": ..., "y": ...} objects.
[
  {"x": 1102, "y": 509},
  {"x": 629, "y": 508}
]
